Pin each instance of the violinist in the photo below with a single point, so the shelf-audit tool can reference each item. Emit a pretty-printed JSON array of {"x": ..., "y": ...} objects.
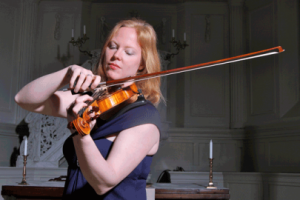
[{"x": 113, "y": 161}]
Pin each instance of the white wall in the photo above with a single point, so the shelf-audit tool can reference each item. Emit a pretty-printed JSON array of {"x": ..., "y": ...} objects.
[
  {"x": 247, "y": 185},
  {"x": 206, "y": 91},
  {"x": 273, "y": 87},
  {"x": 259, "y": 186},
  {"x": 189, "y": 149},
  {"x": 12, "y": 15},
  {"x": 201, "y": 105},
  {"x": 9, "y": 54}
]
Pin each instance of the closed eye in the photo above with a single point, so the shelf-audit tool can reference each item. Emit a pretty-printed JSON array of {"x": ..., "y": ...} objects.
[
  {"x": 129, "y": 52},
  {"x": 112, "y": 45}
]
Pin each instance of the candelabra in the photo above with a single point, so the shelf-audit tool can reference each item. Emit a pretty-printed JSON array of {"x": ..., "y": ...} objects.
[
  {"x": 79, "y": 42},
  {"x": 24, "y": 172},
  {"x": 178, "y": 45},
  {"x": 211, "y": 184}
]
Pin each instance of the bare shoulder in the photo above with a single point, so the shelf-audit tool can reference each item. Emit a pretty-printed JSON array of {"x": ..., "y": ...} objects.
[
  {"x": 145, "y": 133},
  {"x": 137, "y": 141}
]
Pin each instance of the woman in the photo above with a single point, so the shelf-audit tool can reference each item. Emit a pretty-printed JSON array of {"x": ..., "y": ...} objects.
[{"x": 112, "y": 162}]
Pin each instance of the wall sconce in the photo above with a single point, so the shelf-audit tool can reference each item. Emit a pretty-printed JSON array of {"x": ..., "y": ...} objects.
[
  {"x": 177, "y": 45},
  {"x": 80, "y": 41}
]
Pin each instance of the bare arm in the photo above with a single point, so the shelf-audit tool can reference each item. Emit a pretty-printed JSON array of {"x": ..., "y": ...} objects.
[
  {"x": 129, "y": 149},
  {"x": 41, "y": 94}
]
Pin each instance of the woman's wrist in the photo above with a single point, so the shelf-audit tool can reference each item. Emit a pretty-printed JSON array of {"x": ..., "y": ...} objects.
[{"x": 77, "y": 138}]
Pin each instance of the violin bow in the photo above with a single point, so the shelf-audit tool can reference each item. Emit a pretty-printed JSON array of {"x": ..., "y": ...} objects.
[{"x": 248, "y": 56}]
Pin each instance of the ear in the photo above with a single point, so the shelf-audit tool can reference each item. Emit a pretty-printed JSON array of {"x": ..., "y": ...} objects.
[{"x": 141, "y": 68}]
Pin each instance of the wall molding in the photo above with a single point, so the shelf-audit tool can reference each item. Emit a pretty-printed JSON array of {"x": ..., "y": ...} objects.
[
  {"x": 8, "y": 130},
  {"x": 206, "y": 133},
  {"x": 244, "y": 185},
  {"x": 201, "y": 178},
  {"x": 273, "y": 131}
]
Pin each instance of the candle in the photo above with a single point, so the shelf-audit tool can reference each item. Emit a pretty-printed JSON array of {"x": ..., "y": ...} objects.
[
  {"x": 210, "y": 149},
  {"x": 184, "y": 36},
  {"x": 25, "y": 145},
  {"x": 173, "y": 33},
  {"x": 84, "y": 31},
  {"x": 72, "y": 33}
]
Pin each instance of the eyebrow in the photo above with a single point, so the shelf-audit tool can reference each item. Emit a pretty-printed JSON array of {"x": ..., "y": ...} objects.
[{"x": 119, "y": 45}]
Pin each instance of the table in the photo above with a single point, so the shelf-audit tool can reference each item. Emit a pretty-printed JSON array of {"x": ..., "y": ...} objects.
[
  {"x": 188, "y": 191},
  {"x": 54, "y": 190}
]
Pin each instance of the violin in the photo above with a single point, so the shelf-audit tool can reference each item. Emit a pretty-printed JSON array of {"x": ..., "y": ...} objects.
[{"x": 105, "y": 100}]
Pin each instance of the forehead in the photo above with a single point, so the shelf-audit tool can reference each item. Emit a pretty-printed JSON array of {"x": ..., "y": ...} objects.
[{"x": 126, "y": 36}]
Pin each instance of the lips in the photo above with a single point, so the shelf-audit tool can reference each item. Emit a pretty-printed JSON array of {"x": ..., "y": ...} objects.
[{"x": 113, "y": 66}]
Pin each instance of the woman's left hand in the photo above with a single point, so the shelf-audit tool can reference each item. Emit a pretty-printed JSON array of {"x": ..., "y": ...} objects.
[{"x": 79, "y": 103}]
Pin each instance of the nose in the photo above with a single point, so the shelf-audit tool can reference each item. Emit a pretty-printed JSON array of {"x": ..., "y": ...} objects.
[{"x": 117, "y": 54}]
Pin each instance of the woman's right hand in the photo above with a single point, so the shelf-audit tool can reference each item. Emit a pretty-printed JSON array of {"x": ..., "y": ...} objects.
[{"x": 82, "y": 79}]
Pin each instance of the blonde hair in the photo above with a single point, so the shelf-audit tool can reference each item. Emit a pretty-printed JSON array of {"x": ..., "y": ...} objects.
[{"x": 150, "y": 58}]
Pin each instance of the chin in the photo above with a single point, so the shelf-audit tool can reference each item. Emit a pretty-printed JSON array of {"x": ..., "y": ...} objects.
[{"x": 113, "y": 76}]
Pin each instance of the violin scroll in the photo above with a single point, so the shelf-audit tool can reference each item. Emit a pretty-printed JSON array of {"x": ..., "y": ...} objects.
[{"x": 81, "y": 126}]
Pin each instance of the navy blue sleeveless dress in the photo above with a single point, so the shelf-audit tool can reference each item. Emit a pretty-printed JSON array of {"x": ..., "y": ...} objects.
[{"x": 133, "y": 187}]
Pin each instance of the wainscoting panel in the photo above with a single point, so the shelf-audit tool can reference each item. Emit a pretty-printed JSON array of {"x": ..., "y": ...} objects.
[
  {"x": 245, "y": 186},
  {"x": 262, "y": 186},
  {"x": 248, "y": 191},
  {"x": 262, "y": 74},
  {"x": 288, "y": 36},
  {"x": 280, "y": 192},
  {"x": 282, "y": 153},
  {"x": 189, "y": 149},
  {"x": 9, "y": 142},
  {"x": 262, "y": 69},
  {"x": 273, "y": 81},
  {"x": 206, "y": 100},
  {"x": 273, "y": 149},
  {"x": 181, "y": 152}
]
